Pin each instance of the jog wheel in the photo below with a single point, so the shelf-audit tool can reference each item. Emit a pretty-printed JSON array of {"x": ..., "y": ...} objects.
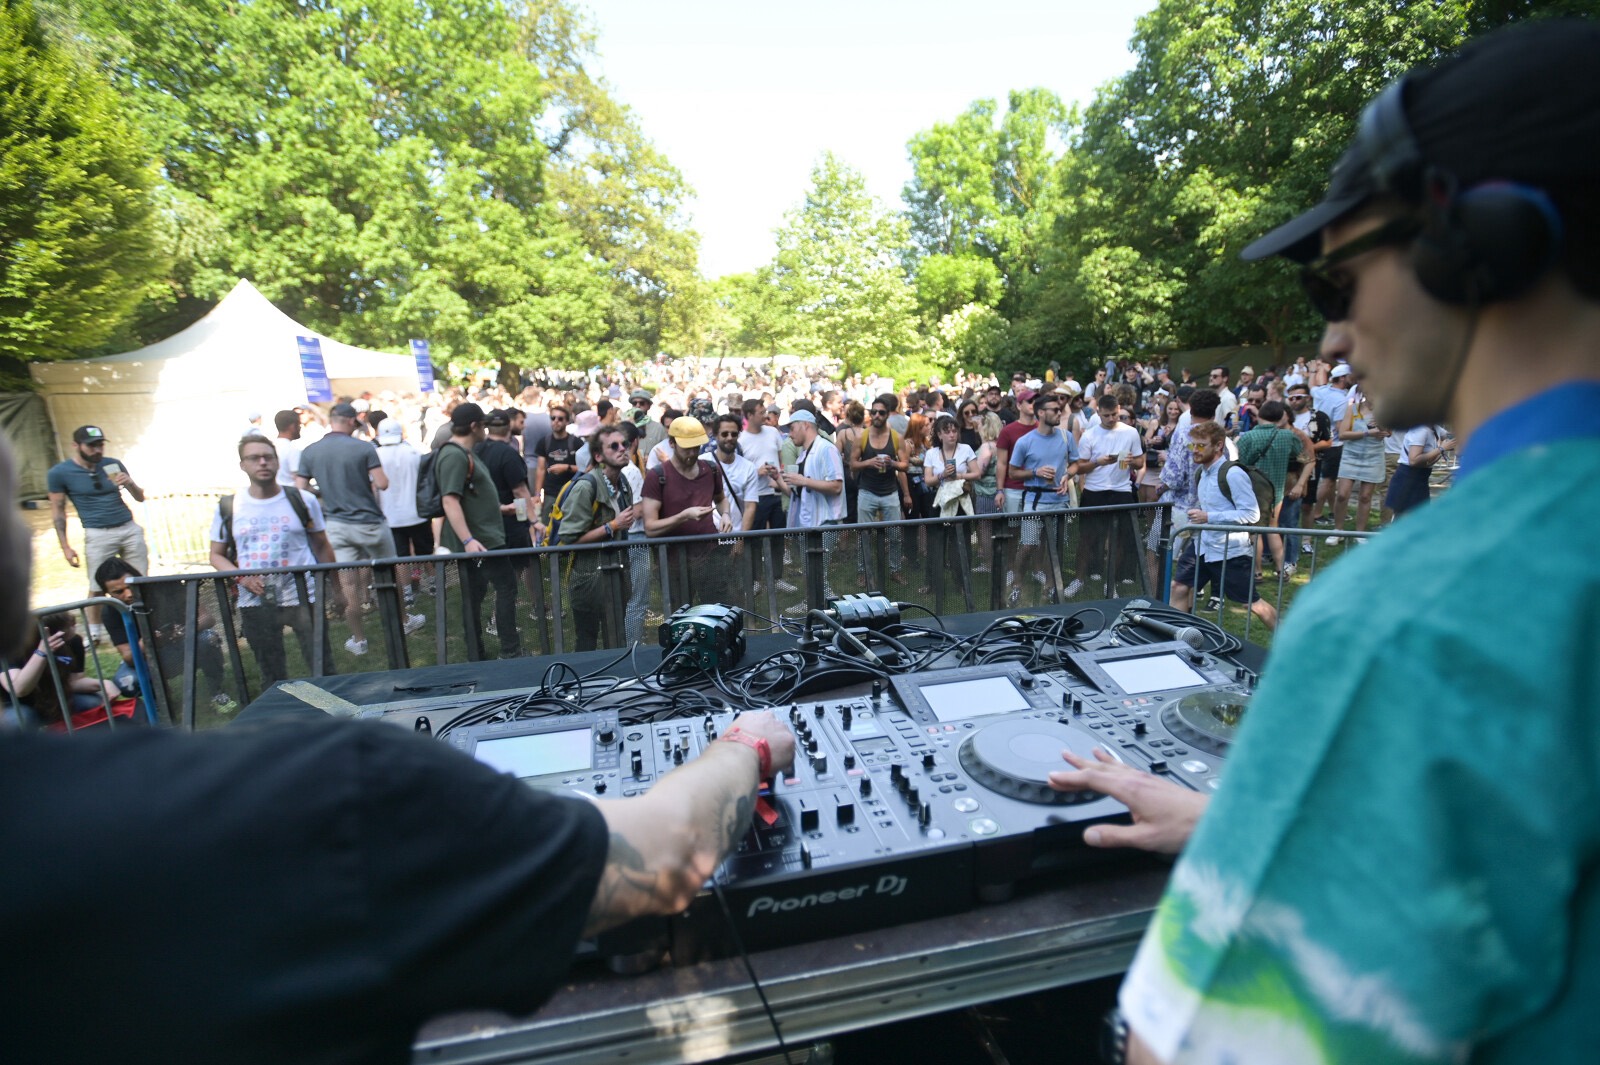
[
  {"x": 1207, "y": 720},
  {"x": 1016, "y": 758}
]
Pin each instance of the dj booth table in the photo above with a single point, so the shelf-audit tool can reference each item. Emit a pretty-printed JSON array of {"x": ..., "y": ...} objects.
[{"x": 1063, "y": 928}]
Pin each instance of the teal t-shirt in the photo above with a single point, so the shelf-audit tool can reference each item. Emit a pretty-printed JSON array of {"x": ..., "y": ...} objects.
[{"x": 1403, "y": 861}]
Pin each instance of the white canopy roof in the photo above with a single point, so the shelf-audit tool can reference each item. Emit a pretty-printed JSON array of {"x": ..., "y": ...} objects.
[{"x": 174, "y": 410}]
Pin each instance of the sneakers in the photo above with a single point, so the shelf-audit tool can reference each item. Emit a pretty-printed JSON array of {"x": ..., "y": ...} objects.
[
  {"x": 355, "y": 646},
  {"x": 798, "y": 610},
  {"x": 223, "y": 703},
  {"x": 1305, "y": 546},
  {"x": 785, "y": 587},
  {"x": 1073, "y": 589},
  {"x": 1214, "y": 603},
  {"x": 415, "y": 622},
  {"x": 1039, "y": 577},
  {"x": 1287, "y": 571},
  {"x": 1326, "y": 523},
  {"x": 1331, "y": 541},
  {"x": 493, "y": 627},
  {"x": 411, "y": 596}
]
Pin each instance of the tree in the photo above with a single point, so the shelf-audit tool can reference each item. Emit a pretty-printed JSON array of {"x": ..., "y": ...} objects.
[
  {"x": 439, "y": 168},
  {"x": 78, "y": 221},
  {"x": 839, "y": 269}
]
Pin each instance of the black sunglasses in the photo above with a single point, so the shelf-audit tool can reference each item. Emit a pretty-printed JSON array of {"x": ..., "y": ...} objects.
[{"x": 1330, "y": 289}]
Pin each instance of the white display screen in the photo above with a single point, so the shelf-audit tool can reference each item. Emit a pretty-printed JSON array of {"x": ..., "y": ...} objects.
[
  {"x": 540, "y": 755},
  {"x": 973, "y": 698},
  {"x": 1153, "y": 673}
]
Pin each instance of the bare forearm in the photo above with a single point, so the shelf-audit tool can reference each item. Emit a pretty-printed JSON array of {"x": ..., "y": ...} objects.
[{"x": 666, "y": 844}]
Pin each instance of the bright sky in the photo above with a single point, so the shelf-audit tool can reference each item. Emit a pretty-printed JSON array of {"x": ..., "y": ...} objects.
[{"x": 744, "y": 97}]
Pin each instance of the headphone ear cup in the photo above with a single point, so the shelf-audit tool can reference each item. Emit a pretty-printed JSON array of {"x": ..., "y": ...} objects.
[{"x": 1492, "y": 242}]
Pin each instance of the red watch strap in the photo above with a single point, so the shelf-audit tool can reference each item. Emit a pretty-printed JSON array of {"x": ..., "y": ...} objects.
[{"x": 762, "y": 748}]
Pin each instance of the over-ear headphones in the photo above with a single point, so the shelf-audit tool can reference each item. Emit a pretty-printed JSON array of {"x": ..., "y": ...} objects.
[{"x": 1489, "y": 242}]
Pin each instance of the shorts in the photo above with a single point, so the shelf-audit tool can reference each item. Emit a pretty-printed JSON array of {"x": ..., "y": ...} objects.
[
  {"x": 1184, "y": 566},
  {"x": 1039, "y": 501},
  {"x": 125, "y": 541},
  {"x": 352, "y": 542},
  {"x": 1328, "y": 463},
  {"x": 413, "y": 539},
  {"x": 1238, "y": 584}
]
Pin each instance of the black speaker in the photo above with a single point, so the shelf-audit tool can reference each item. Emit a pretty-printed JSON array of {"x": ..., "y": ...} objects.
[{"x": 1488, "y": 242}]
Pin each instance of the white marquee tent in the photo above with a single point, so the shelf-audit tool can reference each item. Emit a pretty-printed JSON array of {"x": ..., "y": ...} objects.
[{"x": 174, "y": 410}]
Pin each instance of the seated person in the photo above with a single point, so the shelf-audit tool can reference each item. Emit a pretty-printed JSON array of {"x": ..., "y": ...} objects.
[
  {"x": 54, "y": 670},
  {"x": 112, "y": 577}
]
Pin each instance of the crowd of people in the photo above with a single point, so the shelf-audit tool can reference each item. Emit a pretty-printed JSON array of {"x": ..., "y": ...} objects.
[{"x": 694, "y": 448}]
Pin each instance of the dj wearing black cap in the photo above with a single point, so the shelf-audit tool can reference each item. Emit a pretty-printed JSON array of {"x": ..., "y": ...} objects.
[{"x": 1402, "y": 863}]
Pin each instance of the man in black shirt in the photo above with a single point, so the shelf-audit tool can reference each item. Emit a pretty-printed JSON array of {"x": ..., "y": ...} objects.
[
  {"x": 313, "y": 890},
  {"x": 510, "y": 474},
  {"x": 557, "y": 455}
]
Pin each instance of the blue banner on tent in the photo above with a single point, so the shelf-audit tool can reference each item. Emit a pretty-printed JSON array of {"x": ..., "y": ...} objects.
[
  {"x": 313, "y": 371},
  {"x": 419, "y": 351}
]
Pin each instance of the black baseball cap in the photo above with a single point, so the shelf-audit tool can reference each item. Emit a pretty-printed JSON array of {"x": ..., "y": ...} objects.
[
  {"x": 496, "y": 418},
  {"x": 1520, "y": 104},
  {"x": 345, "y": 410},
  {"x": 88, "y": 434},
  {"x": 466, "y": 416}
]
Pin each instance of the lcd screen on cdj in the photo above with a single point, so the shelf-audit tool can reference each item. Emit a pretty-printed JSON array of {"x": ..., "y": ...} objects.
[
  {"x": 973, "y": 698},
  {"x": 1153, "y": 673},
  {"x": 540, "y": 755}
]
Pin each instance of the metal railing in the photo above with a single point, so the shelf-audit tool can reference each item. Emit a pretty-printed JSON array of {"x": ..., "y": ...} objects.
[
  {"x": 58, "y": 704},
  {"x": 1279, "y": 586},
  {"x": 551, "y": 600}
]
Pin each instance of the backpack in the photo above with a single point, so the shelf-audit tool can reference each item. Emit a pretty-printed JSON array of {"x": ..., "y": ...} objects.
[
  {"x": 558, "y": 508},
  {"x": 230, "y": 547},
  {"x": 430, "y": 501},
  {"x": 1259, "y": 482}
]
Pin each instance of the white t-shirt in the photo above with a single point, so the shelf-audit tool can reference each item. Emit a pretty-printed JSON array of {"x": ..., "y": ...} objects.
[
  {"x": 399, "y": 500},
  {"x": 288, "y": 459},
  {"x": 745, "y": 481},
  {"x": 934, "y": 459},
  {"x": 1227, "y": 403},
  {"x": 1424, "y": 436},
  {"x": 762, "y": 449},
  {"x": 269, "y": 535},
  {"x": 814, "y": 508},
  {"x": 635, "y": 478},
  {"x": 1098, "y": 441}
]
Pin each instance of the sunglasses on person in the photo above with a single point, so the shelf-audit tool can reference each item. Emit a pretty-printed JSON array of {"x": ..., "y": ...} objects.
[
  {"x": 1332, "y": 290},
  {"x": 615, "y": 445}
]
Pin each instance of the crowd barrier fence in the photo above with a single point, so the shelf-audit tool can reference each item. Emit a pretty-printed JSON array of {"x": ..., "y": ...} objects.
[
  {"x": 627, "y": 587},
  {"x": 68, "y": 708}
]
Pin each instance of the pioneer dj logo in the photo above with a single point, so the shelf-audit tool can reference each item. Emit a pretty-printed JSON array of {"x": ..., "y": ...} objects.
[{"x": 888, "y": 885}]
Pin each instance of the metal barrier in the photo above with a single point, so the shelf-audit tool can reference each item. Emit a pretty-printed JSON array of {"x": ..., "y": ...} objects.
[
  {"x": 20, "y": 681},
  {"x": 523, "y": 601},
  {"x": 177, "y": 527},
  {"x": 1283, "y": 585}
]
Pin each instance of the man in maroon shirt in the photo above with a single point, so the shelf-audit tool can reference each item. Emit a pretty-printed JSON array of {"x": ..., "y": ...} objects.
[{"x": 684, "y": 497}]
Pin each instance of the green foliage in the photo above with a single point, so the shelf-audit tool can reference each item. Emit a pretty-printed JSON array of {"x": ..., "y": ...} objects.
[
  {"x": 946, "y": 283},
  {"x": 838, "y": 270},
  {"x": 435, "y": 168},
  {"x": 79, "y": 226}
]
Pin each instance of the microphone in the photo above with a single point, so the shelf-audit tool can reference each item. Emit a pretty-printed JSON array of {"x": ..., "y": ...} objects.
[{"x": 1187, "y": 634}]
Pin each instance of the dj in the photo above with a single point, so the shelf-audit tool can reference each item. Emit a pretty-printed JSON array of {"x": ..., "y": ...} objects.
[
  {"x": 1403, "y": 863},
  {"x": 312, "y": 891}
]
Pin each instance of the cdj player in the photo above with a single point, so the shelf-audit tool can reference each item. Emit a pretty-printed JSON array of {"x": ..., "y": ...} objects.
[{"x": 914, "y": 800}]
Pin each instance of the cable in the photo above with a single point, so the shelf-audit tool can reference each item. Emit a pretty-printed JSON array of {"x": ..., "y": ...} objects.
[
  {"x": 1218, "y": 642},
  {"x": 750, "y": 970}
]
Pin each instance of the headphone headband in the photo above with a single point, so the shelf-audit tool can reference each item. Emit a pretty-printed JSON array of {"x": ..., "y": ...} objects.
[{"x": 1388, "y": 146}]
